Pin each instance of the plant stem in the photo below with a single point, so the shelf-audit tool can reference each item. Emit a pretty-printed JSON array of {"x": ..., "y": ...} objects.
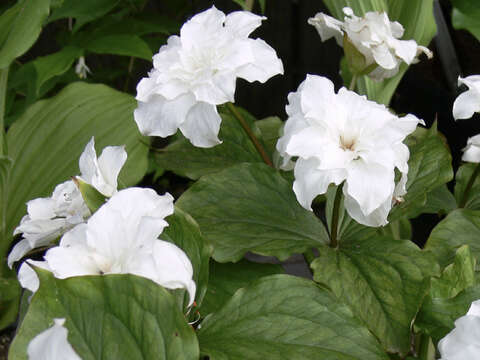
[
  {"x": 471, "y": 181},
  {"x": 353, "y": 82},
  {"x": 424, "y": 351},
  {"x": 3, "y": 95},
  {"x": 335, "y": 216},
  {"x": 249, "y": 5},
  {"x": 250, "y": 134}
]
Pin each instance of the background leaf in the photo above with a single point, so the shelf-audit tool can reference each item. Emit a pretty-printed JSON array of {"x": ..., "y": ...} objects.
[
  {"x": 109, "y": 317},
  {"x": 251, "y": 207},
  {"x": 127, "y": 45},
  {"x": 285, "y": 317},
  {"x": 466, "y": 15}
]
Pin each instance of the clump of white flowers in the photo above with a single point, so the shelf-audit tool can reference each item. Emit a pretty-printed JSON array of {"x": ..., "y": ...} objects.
[
  {"x": 49, "y": 218},
  {"x": 52, "y": 344},
  {"x": 197, "y": 71},
  {"x": 463, "y": 342},
  {"x": 346, "y": 138},
  {"x": 120, "y": 237},
  {"x": 375, "y": 37}
]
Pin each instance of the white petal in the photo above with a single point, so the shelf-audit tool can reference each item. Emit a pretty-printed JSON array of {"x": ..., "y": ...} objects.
[
  {"x": 110, "y": 163},
  {"x": 219, "y": 90},
  {"x": 327, "y": 27},
  {"x": 310, "y": 182},
  {"x": 265, "y": 65},
  {"x": 472, "y": 81},
  {"x": 242, "y": 23},
  {"x": 41, "y": 208},
  {"x": 318, "y": 100},
  {"x": 28, "y": 277},
  {"x": 405, "y": 50},
  {"x": 376, "y": 218},
  {"x": 306, "y": 143},
  {"x": 466, "y": 104},
  {"x": 471, "y": 153},
  {"x": 384, "y": 57},
  {"x": 202, "y": 27},
  {"x": 18, "y": 251},
  {"x": 71, "y": 261},
  {"x": 161, "y": 117},
  {"x": 202, "y": 125},
  {"x": 88, "y": 162},
  {"x": 474, "y": 309},
  {"x": 52, "y": 344}
]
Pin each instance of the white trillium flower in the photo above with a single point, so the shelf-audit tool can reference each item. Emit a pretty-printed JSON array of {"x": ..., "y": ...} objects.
[
  {"x": 49, "y": 218},
  {"x": 467, "y": 103},
  {"x": 120, "y": 238},
  {"x": 471, "y": 153},
  {"x": 375, "y": 37},
  {"x": 345, "y": 137},
  {"x": 463, "y": 342},
  {"x": 197, "y": 70},
  {"x": 52, "y": 344}
]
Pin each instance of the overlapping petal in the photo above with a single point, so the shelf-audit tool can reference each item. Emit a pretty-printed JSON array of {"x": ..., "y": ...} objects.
[
  {"x": 471, "y": 153},
  {"x": 467, "y": 103}
]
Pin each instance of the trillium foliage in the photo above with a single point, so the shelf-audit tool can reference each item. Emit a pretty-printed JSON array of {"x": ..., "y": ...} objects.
[
  {"x": 121, "y": 237},
  {"x": 197, "y": 70},
  {"x": 375, "y": 37},
  {"x": 345, "y": 137},
  {"x": 52, "y": 344},
  {"x": 49, "y": 218},
  {"x": 463, "y": 342},
  {"x": 468, "y": 102}
]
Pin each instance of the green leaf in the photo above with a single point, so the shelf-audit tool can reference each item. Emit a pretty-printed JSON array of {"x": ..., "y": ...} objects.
[
  {"x": 460, "y": 227},
  {"x": 109, "y": 317},
  {"x": 383, "y": 281},
  {"x": 418, "y": 21},
  {"x": 226, "y": 279},
  {"x": 92, "y": 197},
  {"x": 20, "y": 27},
  {"x": 10, "y": 292},
  {"x": 47, "y": 140},
  {"x": 193, "y": 162},
  {"x": 83, "y": 11},
  {"x": 429, "y": 166},
  {"x": 440, "y": 201},
  {"x": 466, "y": 15},
  {"x": 285, "y": 317},
  {"x": 462, "y": 179},
  {"x": 270, "y": 129},
  {"x": 184, "y": 232},
  {"x": 251, "y": 207},
  {"x": 127, "y": 45},
  {"x": 49, "y": 66}
]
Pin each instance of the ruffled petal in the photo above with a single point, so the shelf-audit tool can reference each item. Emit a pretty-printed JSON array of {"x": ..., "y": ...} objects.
[
  {"x": 18, "y": 251},
  {"x": 466, "y": 104},
  {"x": 243, "y": 23},
  {"x": 202, "y": 27},
  {"x": 202, "y": 125},
  {"x": 376, "y": 218},
  {"x": 110, "y": 163},
  {"x": 327, "y": 27}
]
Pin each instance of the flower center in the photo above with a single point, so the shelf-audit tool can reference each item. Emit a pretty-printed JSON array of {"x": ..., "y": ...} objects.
[{"x": 347, "y": 143}]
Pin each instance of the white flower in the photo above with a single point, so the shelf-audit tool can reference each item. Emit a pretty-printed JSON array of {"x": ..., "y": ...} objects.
[
  {"x": 463, "y": 342},
  {"x": 52, "y": 344},
  {"x": 471, "y": 153},
  {"x": 468, "y": 102},
  {"x": 197, "y": 70},
  {"x": 345, "y": 137},
  {"x": 49, "y": 218},
  {"x": 102, "y": 173},
  {"x": 374, "y": 36},
  {"x": 121, "y": 237},
  {"x": 81, "y": 69}
]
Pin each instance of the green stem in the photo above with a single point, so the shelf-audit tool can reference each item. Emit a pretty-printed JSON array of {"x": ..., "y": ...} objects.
[
  {"x": 250, "y": 134},
  {"x": 469, "y": 186},
  {"x": 353, "y": 82},
  {"x": 335, "y": 216},
  {"x": 249, "y": 5},
  {"x": 3, "y": 95},
  {"x": 426, "y": 351}
]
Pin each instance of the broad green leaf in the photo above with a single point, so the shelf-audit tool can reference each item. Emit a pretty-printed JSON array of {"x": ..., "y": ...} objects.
[
  {"x": 285, "y": 317},
  {"x": 270, "y": 129},
  {"x": 226, "y": 279},
  {"x": 470, "y": 200},
  {"x": 251, "y": 207},
  {"x": 460, "y": 227},
  {"x": 383, "y": 280},
  {"x": 184, "y": 232},
  {"x": 455, "y": 277},
  {"x": 440, "y": 201},
  {"x": 418, "y": 21},
  {"x": 466, "y": 15},
  {"x": 49, "y": 66},
  {"x": 137, "y": 26},
  {"x": 399, "y": 229},
  {"x": 83, "y": 11},
  {"x": 20, "y": 27},
  {"x": 429, "y": 166},
  {"x": 193, "y": 162},
  {"x": 47, "y": 140},
  {"x": 109, "y": 317},
  {"x": 127, "y": 45},
  {"x": 10, "y": 292}
]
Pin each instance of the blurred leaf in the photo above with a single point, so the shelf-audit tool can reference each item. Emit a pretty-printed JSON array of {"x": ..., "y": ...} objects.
[
  {"x": 383, "y": 281},
  {"x": 10, "y": 292},
  {"x": 285, "y": 317},
  {"x": 418, "y": 21},
  {"x": 47, "y": 140},
  {"x": 251, "y": 207},
  {"x": 466, "y": 15},
  {"x": 226, "y": 279},
  {"x": 20, "y": 27},
  {"x": 83, "y": 11},
  {"x": 127, "y": 45},
  {"x": 109, "y": 317}
]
